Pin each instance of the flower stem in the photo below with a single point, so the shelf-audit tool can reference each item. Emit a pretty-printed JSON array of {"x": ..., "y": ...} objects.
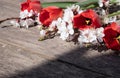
[{"x": 3, "y": 20}]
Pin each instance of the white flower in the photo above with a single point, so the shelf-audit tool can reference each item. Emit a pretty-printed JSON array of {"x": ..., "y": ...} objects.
[
  {"x": 87, "y": 36},
  {"x": 106, "y": 3},
  {"x": 68, "y": 15},
  {"x": 61, "y": 26},
  {"x": 100, "y": 3},
  {"x": 91, "y": 35},
  {"x": 38, "y": 19},
  {"x": 64, "y": 35},
  {"x": 42, "y": 33},
  {"x": 26, "y": 23},
  {"x": 64, "y": 24},
  {"x": 80, "y": 11},
  {"x": 74, "y": 7},
  {"x": 15, "y": 23},
  {"x": 103, "y": 12},
  {"x": 112, "y": 19},
  {"x": 25, "y": 13},
  {"x": 70, "y": 29},
  {"x": 31, "y": 13},
  {"x": 105, "y": 20},
  {"x": 59, "y": 23},
  {"x": 52, "y": 25},
  {"x": 100, "y": 34},
  {"x": 65, "y": 30}
]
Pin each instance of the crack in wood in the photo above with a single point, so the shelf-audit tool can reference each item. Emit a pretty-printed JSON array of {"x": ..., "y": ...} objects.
[{"x": 83, "y": 68}]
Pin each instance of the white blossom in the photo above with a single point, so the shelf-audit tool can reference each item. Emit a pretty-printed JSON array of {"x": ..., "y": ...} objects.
[
  {"x": 25, "y": 13},
  {"x": 65, "y": 24},
  {"x": 100, "y": 3},
  {"x": 70, "y": 29},
  {"x": 59, "y": 23},
  {"x": 52, "y": 25},
  {"x": 112, "y": 19},
  {"x": 91, "y": 35},
  {"x": 107, "y": 20},
  {"x": 74, "y": 7},
  {"x": 38, "y": 19},
  {"x": 100, "y": 34},
  {"x": 31, "y": 13},
  {"x": 107, "y": 3},
  {"x": 68, "y": 15},
  {"x": 42, "y": 33},
  {"x": 65, "y": 30},
  {"x": 103, "y": 12},
  {"x": 26, "y": 23},
  {"x": 87, "y": 36},
  {"x": 15, "y": 23}
]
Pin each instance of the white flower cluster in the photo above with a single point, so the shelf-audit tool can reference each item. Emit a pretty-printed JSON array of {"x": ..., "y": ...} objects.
[
  {"x": 108, "y": 20},
  {"x": 65, "y": 28},
  {"x": 25, "y": 19},
  {"x": 102, "y": 3},
  {"x": 64, "y": 24},
  {"x": 25, "y": 14},
  {"x": 91, "y": 35},
  {"x": 103, "y": 12}
]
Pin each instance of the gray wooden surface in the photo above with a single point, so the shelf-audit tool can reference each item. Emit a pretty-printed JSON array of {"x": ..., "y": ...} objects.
[{"x": 23, "y": 56}]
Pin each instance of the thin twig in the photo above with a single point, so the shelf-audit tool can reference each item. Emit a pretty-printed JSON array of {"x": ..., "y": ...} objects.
[{"x": 1, "y": 21}]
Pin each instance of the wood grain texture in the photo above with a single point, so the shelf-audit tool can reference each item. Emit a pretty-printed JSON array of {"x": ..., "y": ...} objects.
[{"x": 23, "y": 56}]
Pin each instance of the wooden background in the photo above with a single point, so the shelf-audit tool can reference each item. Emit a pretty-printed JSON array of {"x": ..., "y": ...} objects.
[{"x": 23, "y": 56}]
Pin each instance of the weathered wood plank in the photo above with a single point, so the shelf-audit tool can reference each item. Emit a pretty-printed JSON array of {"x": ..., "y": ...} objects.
[
  {"x": 18, "y": 63},
  {"x": 84, "y": 58}
]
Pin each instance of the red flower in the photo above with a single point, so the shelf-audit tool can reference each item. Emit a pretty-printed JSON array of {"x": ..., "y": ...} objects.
[
  {"x": 112, "y": 36},
  {"x": 31, "y": 5},
  {"x": 47, "y": 15},
  {"x": 87, "y": 19}
]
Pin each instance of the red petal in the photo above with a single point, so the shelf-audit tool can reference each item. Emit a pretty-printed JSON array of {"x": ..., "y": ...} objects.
[
  {"x": 31, "y": 5},
  {"x": 79, "y": 20},
  {"x": 49, "y": 14},
  {"x": 35, "y": 6},
  {"x": 112, "y": 44},
  {"x": 111, "y": 34},
  {"x": 24, "y": 6}
]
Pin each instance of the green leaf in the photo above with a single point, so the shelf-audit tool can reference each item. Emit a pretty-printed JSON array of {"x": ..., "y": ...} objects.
[
  {"x": 114, "y": 14},
  {"x": 90, "y": 6},
  {"x": 113, "y": 1},
  {"x": 86, "y": 4},
  {"x": 58, "y": 4}
]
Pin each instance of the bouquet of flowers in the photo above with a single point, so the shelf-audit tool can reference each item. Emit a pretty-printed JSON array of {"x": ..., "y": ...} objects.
[{"x": 85, "y": 24}]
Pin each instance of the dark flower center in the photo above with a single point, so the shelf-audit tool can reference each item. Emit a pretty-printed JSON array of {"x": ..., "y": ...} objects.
[
  {"x": 75, "y": 12},
  {"x": 88, "y": 21}
]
